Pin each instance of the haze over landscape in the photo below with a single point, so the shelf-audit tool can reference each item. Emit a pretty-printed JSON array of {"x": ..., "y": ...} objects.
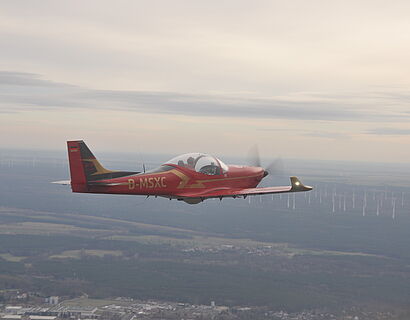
[{"x": 323, "y": 85}]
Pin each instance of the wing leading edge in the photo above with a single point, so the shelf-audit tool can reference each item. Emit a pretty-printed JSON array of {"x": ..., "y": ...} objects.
[{"x": 296, "y": 186}]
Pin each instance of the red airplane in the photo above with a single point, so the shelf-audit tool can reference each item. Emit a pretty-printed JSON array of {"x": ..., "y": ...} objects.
[{"x": 191, "y": 177}]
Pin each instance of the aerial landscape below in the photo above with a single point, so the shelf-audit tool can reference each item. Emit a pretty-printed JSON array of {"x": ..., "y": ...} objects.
[{"x": 235, "y": 259}]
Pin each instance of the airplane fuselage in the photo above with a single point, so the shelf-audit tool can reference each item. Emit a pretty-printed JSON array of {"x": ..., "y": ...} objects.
[{"x": 176, "y": 180}]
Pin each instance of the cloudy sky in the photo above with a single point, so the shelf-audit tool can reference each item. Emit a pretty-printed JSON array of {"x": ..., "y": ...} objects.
[{"x": 311, "y": 79}]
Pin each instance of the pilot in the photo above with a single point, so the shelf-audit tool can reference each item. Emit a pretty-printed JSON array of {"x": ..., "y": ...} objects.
[
  {"x": 181, "y": 163},
  {"x": 191, "y": 163},
  {"x": 213, "y": 168},
  {"x": 210, "y": 170}
]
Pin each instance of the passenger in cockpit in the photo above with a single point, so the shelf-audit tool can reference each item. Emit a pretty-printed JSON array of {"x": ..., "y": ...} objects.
[{"x": 191, "y": 163}]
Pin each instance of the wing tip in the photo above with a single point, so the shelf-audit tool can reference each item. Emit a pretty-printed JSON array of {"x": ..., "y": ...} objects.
[{"x": 297, "y": 185}]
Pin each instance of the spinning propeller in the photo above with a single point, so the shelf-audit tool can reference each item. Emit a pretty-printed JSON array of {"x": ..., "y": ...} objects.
[{"x": 276, "y": 167}]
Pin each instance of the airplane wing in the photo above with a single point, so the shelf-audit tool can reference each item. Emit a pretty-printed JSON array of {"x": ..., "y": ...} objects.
[{"x": 296, "y": 186}]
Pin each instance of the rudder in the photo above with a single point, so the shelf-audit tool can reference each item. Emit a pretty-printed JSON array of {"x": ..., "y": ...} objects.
[
  {"x": 84, "y": 167},
  {"x": 77, "y": 172}
]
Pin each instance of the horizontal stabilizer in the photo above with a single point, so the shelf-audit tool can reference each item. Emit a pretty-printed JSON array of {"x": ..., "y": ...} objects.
[{"x": 62, "y": 182}]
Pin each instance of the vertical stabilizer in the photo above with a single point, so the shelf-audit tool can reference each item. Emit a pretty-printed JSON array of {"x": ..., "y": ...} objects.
[
  {"x": 77, "y": 172},
  {"x": 85, "y": 168}
]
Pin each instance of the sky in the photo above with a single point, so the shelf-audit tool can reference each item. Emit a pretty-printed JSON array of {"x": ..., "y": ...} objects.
[{"x": 325, "y": 80}]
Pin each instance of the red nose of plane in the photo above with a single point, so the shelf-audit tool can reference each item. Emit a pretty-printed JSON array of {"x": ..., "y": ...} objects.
[{"x": 261, "y": 172}]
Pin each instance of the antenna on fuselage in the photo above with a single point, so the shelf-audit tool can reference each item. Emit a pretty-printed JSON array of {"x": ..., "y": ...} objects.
[{"x": 143, "y": 167}]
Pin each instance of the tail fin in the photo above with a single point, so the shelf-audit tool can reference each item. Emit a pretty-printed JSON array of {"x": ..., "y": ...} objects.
[{"x": 84, "y": 167}]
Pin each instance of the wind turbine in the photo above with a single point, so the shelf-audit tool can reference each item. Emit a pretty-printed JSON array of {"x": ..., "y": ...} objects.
[
  {"x": 344, "y": 202},
  {"x": 377, "y": 208},
  {"x": 394, "y": 209},
  {"x": 364, "y": 203},
  {"x": 353, "y": 199}
]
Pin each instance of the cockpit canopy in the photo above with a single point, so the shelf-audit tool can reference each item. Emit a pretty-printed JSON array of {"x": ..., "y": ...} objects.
[{"x": 200, "y": 162}]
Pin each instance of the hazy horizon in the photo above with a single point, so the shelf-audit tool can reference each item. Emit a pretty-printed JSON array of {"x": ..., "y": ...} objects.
[{"x": 313, "y": 80}]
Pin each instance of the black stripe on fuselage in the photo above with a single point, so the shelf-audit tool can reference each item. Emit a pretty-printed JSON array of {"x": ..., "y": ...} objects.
[{"x": 111, "y": 175}]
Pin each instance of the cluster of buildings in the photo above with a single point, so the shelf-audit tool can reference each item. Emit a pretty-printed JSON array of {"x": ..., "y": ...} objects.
[
  {"x": 262, "y": 250},
  {"x": 44, "y": 312},
  {"x": 352, "y": 314},
  {"x": 128, "y": 309},
  {"x": 118, "y": 309},
  {"x": 162, "y": 310}
]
